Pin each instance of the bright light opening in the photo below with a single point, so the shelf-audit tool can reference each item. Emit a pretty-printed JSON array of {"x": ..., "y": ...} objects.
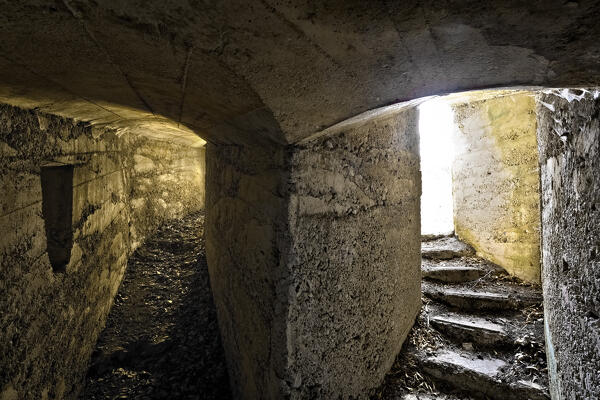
[{"x": 436, "y": 127}]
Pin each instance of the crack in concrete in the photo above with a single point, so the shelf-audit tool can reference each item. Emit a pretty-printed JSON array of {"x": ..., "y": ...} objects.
[{"x": 78, "y": 16}]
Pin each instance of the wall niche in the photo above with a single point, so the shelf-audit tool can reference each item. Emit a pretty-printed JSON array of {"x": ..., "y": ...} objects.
[{"x": 57, "y": 210}]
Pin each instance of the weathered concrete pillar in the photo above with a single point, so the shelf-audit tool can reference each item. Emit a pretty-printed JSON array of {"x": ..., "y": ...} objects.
[
  {"x": 569, "y": 144},
  {"x": 314, "y": 255}
]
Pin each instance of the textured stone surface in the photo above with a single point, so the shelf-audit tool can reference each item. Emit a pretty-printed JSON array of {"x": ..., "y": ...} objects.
[
  {"x": 314, "y": 294},
  {"x": 246, "y": 239},
  {"x": 123, "y": 187},
  {"x": 354, "y": 270},
  {"x": 569, "y": 143},
  {"x": 235, "y": 72},
  {"x": 496, "y": 182}
]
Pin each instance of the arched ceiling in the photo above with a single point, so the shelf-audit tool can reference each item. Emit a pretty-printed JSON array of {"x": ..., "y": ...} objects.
[{"x": 250, "y": 71}]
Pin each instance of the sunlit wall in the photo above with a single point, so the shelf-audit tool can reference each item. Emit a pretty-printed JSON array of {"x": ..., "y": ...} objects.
[{"x": 436, "y": 124}]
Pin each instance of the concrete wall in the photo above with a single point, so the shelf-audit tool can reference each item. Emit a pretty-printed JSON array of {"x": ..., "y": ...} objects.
[
  {"x": 496, "y": 182},
  {"x": 246, "y": 234},
  {"x": 569, "y": 145},
  {"x": 122, "y": 188},
  {"x": 314, "y": 256},
  {"x": 355, "y": 265}
]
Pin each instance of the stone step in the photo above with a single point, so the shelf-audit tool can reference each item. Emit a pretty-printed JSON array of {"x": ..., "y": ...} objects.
[
  {"x": 481, "y": 299},
  {"x": 432, "y": 237},
  {"x": 452, "y": 273},
  {"x": 417, "y": 396},
  {"x": 478, "y": 375},
  {"x": 471, "y": 329},
  {"x": 437, "y": 396},
  {"x": 445, "y": 249}
]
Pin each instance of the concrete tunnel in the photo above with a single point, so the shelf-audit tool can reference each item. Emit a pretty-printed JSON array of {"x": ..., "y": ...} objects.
[{"x": 294, "y": 125}]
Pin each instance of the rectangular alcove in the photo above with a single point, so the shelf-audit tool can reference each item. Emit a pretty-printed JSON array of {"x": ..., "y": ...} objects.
[{"x": 57, "y": 211}]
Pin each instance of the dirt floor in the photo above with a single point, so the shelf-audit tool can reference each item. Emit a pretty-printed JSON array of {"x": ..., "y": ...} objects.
[{"x": 162, "y": 340}]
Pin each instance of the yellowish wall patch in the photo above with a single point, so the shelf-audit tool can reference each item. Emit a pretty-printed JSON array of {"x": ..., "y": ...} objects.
[{"x": 496, "y": 182}]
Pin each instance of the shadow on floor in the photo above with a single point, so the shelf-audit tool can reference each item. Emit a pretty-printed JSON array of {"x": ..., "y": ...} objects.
[{"x": 161, "y": 339}]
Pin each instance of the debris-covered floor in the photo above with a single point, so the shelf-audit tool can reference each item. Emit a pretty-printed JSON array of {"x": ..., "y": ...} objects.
[
  {"x": 480, "y": 331},
  {"x": 161, "y": 339}
]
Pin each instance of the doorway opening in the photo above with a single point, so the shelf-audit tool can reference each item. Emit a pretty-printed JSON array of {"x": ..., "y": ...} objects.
[
  {"x": 481, "y": 331},
  {"x": 436, "y": 124}
]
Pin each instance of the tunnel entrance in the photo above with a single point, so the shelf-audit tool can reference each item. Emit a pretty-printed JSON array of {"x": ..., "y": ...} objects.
[
  {"x": 480, "y": 175},
  {"x": 478, "y": 323}
]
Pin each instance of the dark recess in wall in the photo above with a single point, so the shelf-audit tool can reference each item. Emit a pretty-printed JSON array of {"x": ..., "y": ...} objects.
[{"x": 57, "y": 210}]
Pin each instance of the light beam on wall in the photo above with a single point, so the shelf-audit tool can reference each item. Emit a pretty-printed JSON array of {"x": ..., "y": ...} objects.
[{"x": 436, "y": 126}]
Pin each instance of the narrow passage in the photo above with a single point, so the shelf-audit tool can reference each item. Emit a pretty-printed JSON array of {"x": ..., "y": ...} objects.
[{"x": 161, "y": 339}]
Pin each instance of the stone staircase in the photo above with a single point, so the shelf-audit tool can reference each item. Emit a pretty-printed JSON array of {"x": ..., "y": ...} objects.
[{"x": 479, "y": 336}]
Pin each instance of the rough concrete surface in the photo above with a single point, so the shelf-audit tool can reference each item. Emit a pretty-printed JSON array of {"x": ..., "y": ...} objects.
[
  {"x": 354, "y": 269},
  {"x": 310, "y": 305},
  {"x": 246, "y": 238},
  {"x": 235, "y": 71},
  {"x": 569, "y": 143},
  {"x": 496, "y": 182},
  {"x": 122, "y": 188}
]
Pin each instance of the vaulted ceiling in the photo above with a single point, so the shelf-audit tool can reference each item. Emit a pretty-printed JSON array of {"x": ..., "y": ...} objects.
[{"x": 253, "y": 71}]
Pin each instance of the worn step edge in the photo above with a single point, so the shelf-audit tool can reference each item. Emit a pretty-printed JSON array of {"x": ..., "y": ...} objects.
[
  {"x": 433, "y": 237},
  {"x": 452, "y": 274},
  {"x": 445, "y": 254},
  {"x": 477, "y": 379},
  {"x": 429, "y": 396},
  {"x": 479, "y": 300},
  {"x": 446, "y": 249},
  {"x": 480, "y": 379},
  {"x": 470, "y": 329}
]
